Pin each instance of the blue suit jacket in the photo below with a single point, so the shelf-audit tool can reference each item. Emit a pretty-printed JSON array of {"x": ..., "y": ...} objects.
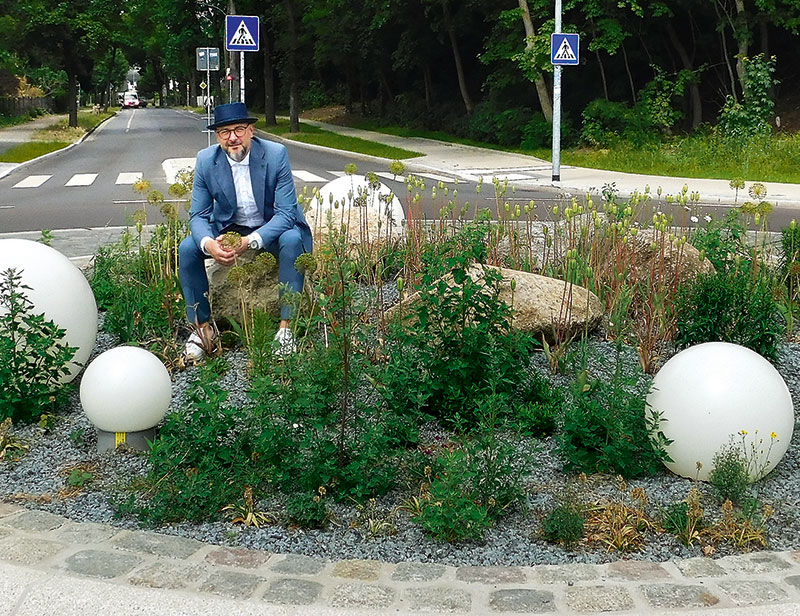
[{"x": 214, "y": 196}]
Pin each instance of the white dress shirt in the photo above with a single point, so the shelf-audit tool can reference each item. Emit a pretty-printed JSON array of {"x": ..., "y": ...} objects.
[{"x": 247, "y": 213}]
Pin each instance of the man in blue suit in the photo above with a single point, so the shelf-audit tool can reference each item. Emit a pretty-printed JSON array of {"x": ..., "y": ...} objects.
[{"x": 242, "y": 184}]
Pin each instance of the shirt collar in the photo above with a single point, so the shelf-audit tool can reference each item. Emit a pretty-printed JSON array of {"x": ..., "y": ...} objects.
[{"x": 244, "y": 162}]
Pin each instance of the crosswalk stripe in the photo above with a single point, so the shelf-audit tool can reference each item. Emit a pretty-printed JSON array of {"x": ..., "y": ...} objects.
[
  {"x": 390, "y": 176},
  {"x": 82, "y": 179},
  {"x": 438, "y": 178},
  {"x": 32, "y": 181},
  {"x": 307, "y": 176},
  {"x": 129, "y": 177},
  {"x": 338, "y": 174}
]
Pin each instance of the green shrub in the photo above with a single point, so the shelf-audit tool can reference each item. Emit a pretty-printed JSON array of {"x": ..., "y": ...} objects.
[
  {"x": 723, "y": 241},
  {"x": 537, "y": 406},
  {"x": 201, "y": 460},
  {"x": 729, "y": 476},
  {"x": 459, "y": 346},
  {"x": 737, "y": 305},
  {"x": 308, "y": 510},
  {"x": 451, "y": 513},
  {"x": 564, "y": 525},
  {"x": 606, "y": 123},
  {"x": 32, "y": 357},
  {"x": 537, "y": 133},
  {"x": 607, "y": 430}
]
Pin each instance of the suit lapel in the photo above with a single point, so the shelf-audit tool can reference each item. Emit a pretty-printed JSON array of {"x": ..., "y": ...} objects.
[
  {"x": 258, "y": 172},
  {"x": 225, "y": 177}
]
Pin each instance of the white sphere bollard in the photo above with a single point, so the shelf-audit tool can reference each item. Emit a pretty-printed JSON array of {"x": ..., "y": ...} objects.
[
  {"x": 59, "y": 290},
  {"x": 716, "y": 394},
  {"x": 126, "y": 389},
  {"x": 340, "y": 195}
]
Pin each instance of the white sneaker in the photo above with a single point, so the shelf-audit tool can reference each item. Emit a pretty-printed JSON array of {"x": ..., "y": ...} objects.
[
  {"x": 286, "y": 344},
  {"x": 195, "y": 350}
]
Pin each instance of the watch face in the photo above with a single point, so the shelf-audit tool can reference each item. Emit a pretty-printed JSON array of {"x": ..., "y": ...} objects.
[{"x": 253, "y": 244}]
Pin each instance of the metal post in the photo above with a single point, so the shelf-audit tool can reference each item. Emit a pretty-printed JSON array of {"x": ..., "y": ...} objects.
[
  {"x": 208, "y": 95},
  {"x": 557, "y": 106},
  {"x": 241, "y": 76}
]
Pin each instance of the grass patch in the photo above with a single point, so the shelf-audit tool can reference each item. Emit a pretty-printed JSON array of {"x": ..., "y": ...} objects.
[
  {"x": 6, "y": 121},
  {"x": 33, "y": 149},
  {"x": 60, "y": 131},
  {"x": 318, "y": 136}
]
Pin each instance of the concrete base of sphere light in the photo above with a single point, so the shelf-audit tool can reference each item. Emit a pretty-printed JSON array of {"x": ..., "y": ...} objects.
[
  {"x": 59, "y": 290},
  {"x": 140, "y": 441},
  {"x": 717, "y": 394}
]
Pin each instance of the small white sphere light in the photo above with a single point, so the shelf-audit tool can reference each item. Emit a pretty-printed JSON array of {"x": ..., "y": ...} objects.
[
  {"x": 717, "y": 394},
  {"x": 126, "y": 389},
  {"x": 59, "y": 290}
]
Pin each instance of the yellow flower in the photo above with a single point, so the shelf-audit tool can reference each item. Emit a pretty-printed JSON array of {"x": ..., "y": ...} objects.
[
  {"x": 773, "y": 435},
  {"x": 743, "y": 432}
]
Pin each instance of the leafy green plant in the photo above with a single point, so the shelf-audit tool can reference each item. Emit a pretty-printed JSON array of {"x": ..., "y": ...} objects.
[
  {"x": 728, "y": 474},
  {"x": 742, "y": 121},
  {"x": 564, "y": 524},
  {"x": 736, "y": 305},
  {"x": 458, "y": 345},
  {"x": 723, "y": 241},
  {"x": 451, "y": 514},
  {"x": 606, "y": 428},
  {"x": 308, "y": 510},
  {"x": 685, "y": 519},
  {"x": 34, "y": 360},
  {"x": 537, "y": 406}
]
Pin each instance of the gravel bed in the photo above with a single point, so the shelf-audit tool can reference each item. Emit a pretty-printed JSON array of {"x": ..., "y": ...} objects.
[{"x": 39, "y": 480}]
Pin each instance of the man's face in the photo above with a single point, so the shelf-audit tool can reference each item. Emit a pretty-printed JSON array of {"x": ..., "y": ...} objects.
[{"x": 235, "y": 140}]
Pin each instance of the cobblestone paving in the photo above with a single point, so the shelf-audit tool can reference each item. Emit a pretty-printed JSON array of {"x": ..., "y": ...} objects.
[{"x": 46, "y": 542}]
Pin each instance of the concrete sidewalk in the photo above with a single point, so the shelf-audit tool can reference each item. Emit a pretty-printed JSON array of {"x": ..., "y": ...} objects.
[
  {"x": 469, "y": 163},
  {"x": 51, "y": 565}
]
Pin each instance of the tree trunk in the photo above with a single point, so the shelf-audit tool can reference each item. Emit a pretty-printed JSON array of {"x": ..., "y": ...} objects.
[
  {"x": 541, "y": 87},
  {"x": 269, "y": 78},
  {"x": 602, "y": 73},
  {"x": 294, "y": 103},
  {"x": 462, "y": 81},
  {"x": 694, "y": 88},
  {"x": 743, "y": 39},
  {"x": 72, "y": 95},
  {"x": 628, "y": 70},
  {"x": 428, "y": 81},
  {"x": 107, "y": 93}
]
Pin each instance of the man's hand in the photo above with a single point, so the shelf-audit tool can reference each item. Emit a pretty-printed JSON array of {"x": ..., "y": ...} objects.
[{"x": 222, "y": 255}]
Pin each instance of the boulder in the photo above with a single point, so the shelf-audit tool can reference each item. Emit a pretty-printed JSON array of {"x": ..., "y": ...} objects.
[
  {"x": 260, "y": 291},
  {"x": 542, "y": 306}
]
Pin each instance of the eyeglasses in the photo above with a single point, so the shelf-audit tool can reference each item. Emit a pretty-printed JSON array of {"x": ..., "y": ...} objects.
[{"x": 239, "y": 131}]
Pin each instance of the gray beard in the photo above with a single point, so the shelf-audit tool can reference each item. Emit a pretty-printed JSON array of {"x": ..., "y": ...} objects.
[{"x": 239, "y": 155}]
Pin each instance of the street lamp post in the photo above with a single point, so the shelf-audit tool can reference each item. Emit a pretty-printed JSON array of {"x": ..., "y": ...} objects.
[{"x": 557, "y": 106}]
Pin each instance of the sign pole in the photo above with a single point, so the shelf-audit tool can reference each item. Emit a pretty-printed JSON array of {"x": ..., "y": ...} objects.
[
  {"x": 241, "y": 76},
  {"x": 557, "y": 106},
  {"x": 208, "y": 98}
]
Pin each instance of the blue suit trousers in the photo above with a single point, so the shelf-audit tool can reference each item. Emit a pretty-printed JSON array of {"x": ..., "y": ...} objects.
[{"x": 192, "y": 272}]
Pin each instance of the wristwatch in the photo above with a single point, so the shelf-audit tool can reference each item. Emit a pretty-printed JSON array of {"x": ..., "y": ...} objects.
[{"x": 253, "y": 244}]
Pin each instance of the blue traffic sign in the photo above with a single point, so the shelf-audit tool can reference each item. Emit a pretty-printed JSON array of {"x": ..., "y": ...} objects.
[
  {"x": 241, "y": 33},
  {"x": 564, "y": 49}
]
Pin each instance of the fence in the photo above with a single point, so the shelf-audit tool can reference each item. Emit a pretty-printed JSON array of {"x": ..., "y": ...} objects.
[{"x": 14, "y": 106}]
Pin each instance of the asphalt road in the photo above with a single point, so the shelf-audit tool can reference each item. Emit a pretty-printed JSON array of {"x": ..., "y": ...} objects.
[{"x": 89, "y": 184}]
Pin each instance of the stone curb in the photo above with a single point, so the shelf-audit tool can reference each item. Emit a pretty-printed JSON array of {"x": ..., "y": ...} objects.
[{"x": 142, "y": 559}]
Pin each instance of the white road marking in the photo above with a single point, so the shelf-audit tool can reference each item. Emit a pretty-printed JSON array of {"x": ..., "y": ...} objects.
[
  {"x": 338, "y": 174},
  {"x": 173, "y": 166},
  {"x": 82, "y": 179},
  {"x": 391, "y": 176},
  {"x": 129, "y": 178},
  {"x": 307, "y": 176},
  {"x": 438, "y": 178},
  {"x": 128, "y": 127},
  {"x": 32, "y": 181}
]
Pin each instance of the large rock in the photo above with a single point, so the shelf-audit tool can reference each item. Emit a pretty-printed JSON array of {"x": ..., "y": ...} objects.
[
  {"x": 544, "y": 307},
  {"x": 261, "y": 291}
]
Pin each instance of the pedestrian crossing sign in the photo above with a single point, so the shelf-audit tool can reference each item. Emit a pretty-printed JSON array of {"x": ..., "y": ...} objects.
[
  {"x": 241, "y": 33},
  {"x": 564, "y": 49}
]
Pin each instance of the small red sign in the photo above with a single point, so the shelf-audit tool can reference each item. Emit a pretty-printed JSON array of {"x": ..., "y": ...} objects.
[{"x": 228, "y": 77}]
